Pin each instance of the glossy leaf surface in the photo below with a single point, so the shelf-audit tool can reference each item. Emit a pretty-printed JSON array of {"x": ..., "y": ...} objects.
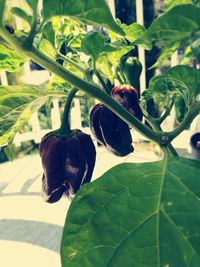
[
  {"x": 17, "y": 104},
  {"x": 10, "y": 60},
  {"x": 177, "y": 25},
  {"x": 136, "y": 215},
  {"x": 95, "y": 12},
  {"x": 180, "y": 78}
]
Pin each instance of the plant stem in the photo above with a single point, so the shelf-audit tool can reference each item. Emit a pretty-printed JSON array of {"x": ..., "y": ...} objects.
[
  {"x": 166, "y": 113},
  {"x": 105, "y": 87},
  {"x": 67, "y": 59},
  {"x": 65, "y": 124},
  {"x": 89, "y": 88},
  {"x": 191, "y": 114},
  {"x": 156, "y": 126}
]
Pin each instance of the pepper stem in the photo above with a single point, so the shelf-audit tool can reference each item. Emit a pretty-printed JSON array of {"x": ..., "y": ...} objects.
[{"x": 65, "y": 128}]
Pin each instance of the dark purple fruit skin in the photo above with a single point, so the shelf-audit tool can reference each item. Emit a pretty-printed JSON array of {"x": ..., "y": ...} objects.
[
  {"x": 110, "y": 131},
  {"x": 95, "y": 125},
  {"x": 68, "y": 163},
  {"x": 127, "y": 97}
]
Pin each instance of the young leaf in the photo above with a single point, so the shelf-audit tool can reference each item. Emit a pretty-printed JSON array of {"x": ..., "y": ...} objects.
[
  {"x": 22, "y": 14},
  {"x": 10, "y": 60},
  {"x": 133, "y": 31},
  {"x": 17, "y": 104},
  {"x": 94, "y": 12},
  {"x": 136, "y": 215},
  {"x": 180, "y": 78},
  {"x": 93, "y": 44},
  {"x": 176, "y": 25},
  {"x": 48, "y": 33}
]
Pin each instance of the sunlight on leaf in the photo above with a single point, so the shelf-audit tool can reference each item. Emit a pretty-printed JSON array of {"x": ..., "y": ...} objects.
[
  {"x": 17, "y": 104},
  {"x": 94, "y": 12},
  {"x": 10, "y": 60},
  {"x": 136, "y": 215}
]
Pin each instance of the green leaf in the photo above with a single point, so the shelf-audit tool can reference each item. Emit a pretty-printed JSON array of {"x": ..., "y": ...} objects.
[
  {"x": 2, "y": 9},
  {"x": 196, "y": 46},
  {"x": 136, "y": 215},
  {"x": 133, "y": 32},
  {"x": 48, "y": 33},
  {"x": 94, "y": 12},
  {"x": 176, "y": 25},
  {"x": 33, "y": 4},
  {"x": 180, "y": 108},
  {"x": 93, "y": 44},
  {"x": 47, "y": 48},
  {"x": 173, "y": 3},
  {"x": 9, "y": 152},
  {"x": 196, "y": 2},
  {"x": 17, "y": 104},
  {"x": 181, "y": 78},
  {"x": 22, "y": 14},
  {"x": 10, "y": 60}
]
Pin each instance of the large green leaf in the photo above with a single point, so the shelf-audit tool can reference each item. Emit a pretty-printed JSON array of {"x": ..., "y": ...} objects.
[
  {"x": 10, "y": 60},
  {"x": 176, "y": 25},
  {"x": 17, "y": 104},
  {"x": 136, "y": 215},
  {"x": 94, "y": 12}
]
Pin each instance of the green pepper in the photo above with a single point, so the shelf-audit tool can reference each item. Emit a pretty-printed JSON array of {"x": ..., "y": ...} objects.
[{"x": 131, "y": 69}]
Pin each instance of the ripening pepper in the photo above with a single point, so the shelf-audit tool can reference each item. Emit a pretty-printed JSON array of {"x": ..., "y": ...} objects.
[
  {"x": 110, "y": 131},
  {"x": 127, "y": 97},
  {"x": 68, "y": 163},
  {"x": 131, "y": 69}
]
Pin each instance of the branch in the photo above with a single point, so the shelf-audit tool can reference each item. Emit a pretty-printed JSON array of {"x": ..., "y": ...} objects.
[
  {"x": 191, "y": 114},
  {"x": 88, "y": 88}
]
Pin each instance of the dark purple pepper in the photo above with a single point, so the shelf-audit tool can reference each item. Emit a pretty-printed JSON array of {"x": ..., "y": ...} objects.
[
  {"x": 68, "y": 163},
  {"x": 95, "y": 124},
  {"x": 127, "y": 97},
  {"x": 110, "y": 131}
]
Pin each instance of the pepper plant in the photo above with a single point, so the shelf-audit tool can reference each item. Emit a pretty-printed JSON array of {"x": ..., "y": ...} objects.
[{"x": 135, "y": 215}]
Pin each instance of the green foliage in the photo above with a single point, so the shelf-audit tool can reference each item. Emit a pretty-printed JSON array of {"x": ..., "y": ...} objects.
[
  {"x": 48, "y": 33},
  {"x": 177, "y": 25},
  {"x": 2, "y": 8},
  {"x": 173, "y": 3},
  {"x": 94, "y": 44},
  {"x": 196, "y": 45},
  {"x": 17, "y": 104},
  {"x": 22, "y": 14},
  {"x": 10, "y": 60},
  {"x": 33, "y": 4},
  {"x": 136, "y": 215},
  {"x": 181, "y": 79},
  {"x": 94, "y": 12}
]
